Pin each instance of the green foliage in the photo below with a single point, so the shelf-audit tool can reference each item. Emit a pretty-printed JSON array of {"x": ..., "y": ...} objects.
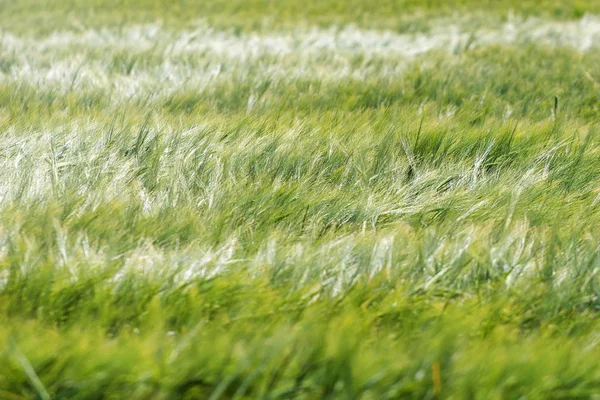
[
  {"x": 318, "y": 223},
  {"x": 258, "y": 15}
]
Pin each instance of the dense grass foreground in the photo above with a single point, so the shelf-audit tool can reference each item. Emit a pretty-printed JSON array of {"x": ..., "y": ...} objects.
[{"x": 193, "y": 211}]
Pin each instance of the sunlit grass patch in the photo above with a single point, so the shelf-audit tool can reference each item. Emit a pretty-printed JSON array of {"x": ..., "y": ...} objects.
[{"x": 383, "y": 204}]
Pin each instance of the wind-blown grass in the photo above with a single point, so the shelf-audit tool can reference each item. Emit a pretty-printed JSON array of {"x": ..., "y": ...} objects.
[
  {"x": 33, "y": 16},
  {"x": 334, "y": 213}
]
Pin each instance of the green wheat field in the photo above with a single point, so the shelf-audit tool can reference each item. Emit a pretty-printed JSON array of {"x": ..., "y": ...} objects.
[{"x": 299, "y": 199}]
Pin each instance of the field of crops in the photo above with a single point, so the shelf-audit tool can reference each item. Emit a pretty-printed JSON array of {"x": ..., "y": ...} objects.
[{"x": 299, "y": 199}]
